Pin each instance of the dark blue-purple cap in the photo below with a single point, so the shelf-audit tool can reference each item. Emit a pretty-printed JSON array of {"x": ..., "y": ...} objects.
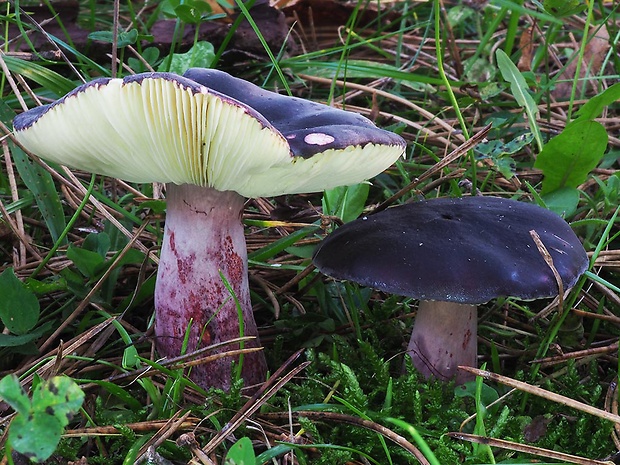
[{"x": 467, "y": 250}]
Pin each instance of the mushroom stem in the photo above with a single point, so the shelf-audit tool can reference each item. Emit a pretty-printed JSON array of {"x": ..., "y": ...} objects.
[
  {"x": 204, "y": 237},
  {"x": 444, "y": 336}
]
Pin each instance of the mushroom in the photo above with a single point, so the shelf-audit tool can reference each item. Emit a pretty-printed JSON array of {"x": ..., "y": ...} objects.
[
  {"x": 453, "y": 254},
  {"x": 211, "y": 150}
]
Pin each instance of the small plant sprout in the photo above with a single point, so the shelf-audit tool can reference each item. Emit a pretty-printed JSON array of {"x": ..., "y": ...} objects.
[
  {"x": 213, "y": 139},
  {"x": 453, "y": 254}
]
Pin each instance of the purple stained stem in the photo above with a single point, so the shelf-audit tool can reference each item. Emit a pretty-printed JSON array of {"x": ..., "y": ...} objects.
[
  {"x": 444, "y": 336},
  {"x": 204, "y": 237}
]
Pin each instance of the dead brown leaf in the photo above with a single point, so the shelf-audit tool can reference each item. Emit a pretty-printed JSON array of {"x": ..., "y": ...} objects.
[
  {"x": 594, "y": 54},
  {"x": 526, "y": 45}
]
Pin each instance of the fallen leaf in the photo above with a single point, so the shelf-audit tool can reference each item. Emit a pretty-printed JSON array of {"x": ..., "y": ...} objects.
[
  {"x": 595, "y": 51},
  {"x": 526, "y": 45}
]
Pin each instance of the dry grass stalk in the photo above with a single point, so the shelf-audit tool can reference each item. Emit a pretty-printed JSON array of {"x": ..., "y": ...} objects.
[{"x": 551, "y": 396}]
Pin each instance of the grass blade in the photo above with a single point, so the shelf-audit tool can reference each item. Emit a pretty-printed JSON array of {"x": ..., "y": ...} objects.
[{"x": 519, "y": 89}]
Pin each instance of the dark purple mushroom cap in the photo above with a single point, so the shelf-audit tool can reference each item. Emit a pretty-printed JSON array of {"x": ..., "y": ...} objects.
[
  {"x": 467, "y": 250},
  {"x": 309, "y": 127},
  {"x": 160, "y": 127}
]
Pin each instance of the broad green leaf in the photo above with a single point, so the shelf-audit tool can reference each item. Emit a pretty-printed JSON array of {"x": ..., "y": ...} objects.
[
  {"x": 460, "y": 14},
  {"x": 86, "y": 261},
  {"x": 36, "y": 436},
  {"x": 520, "y": 91},
  {"x": 241, "y": 453},
  {"x": 563, "y": 201},
  {"x": 42, "y": 186},
  {"x": 496, "y": 148},
  {"x": 97, "y": 242},
  {"x": 498, "y": 152},
  {"x": 60, "y": 397},
  {"x": 302, "y": 251},
  {"x": 567, "y": 159},
  {"x": 506, "y": 166},
  {"x": 201, "y": 55},
  {"x": 53, "y": 284},
  {"x": 595, "y": 106},
  {"x": 488, "y": 395},
  {"x": 130, "y": 257},
  {"x": 193, "y": 11},
  {"x": 150, "y": 55},
  {"x": 123, "y": 39},
  {"x": 36, "y": 430},
  {"x": 11, "y": 340},
  {"x": 167, "y": 7},
  {"x": 12, "y": 393},
  {"x": 156, "y": 206},
  {"x": 562, "y": 8},
  {"x": 346, "y": 202},
  {"x": 19, "y": 307}
]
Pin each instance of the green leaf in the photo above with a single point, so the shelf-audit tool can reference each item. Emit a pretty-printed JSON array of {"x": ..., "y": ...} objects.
[
  {"x": 201, "y": 55},
  {"x": 520, "y": 91},
  {"x": 10, "y": 340},
  {"x": 36, "y": 436},
  {"x": 167, "y": 8},
  {"x": 150, "y": 55},
  {"x": 60, "y": 397},
  {"x": 38, "y": 426},
  {"x": 563, "y": 201},
  {"x": 156, "y": 206},
  {"x": 241, "y": 453},
  {"x": 346, "y": 202},
  {"x": 193, "y": 11},
  {"x": 567, "y": 159},
  {"x": 53, "y": 284},
  {"x": 123, "y": 38},
  {"x": 488, "y": 395},
  {"x": 19, "y": 307},
  {"x": 495, "y": 148},
  {"x": 39, "y": 181},
  {"x": 595, "y": 106},
  {"x": 12, "y": 393},
  {"x": 272, "y": 453},
  {"x": 562, "y": 8},
  {"x": 86, "y": 261},
  {"x": 460, "y": 14}
]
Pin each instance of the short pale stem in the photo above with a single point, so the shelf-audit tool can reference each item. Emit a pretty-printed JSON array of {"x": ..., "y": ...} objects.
[
  {"x": 444, "y": 336},
  {"x": 204, "y": 237}
]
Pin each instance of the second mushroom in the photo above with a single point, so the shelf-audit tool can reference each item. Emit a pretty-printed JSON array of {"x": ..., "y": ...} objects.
[{"x": 453, "y": 254}]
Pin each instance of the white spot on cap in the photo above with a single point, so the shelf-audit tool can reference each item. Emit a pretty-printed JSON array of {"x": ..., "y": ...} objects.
[{"x": 318, "y": 138}]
